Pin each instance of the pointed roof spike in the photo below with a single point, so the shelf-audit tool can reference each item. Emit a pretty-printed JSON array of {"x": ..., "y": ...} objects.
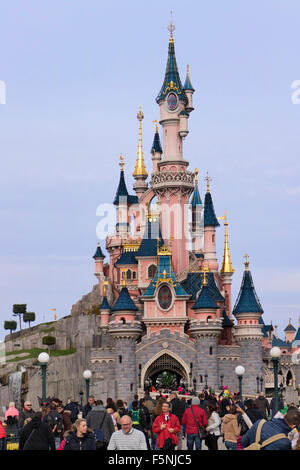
[
  {"x": 140, "y": 169},
  {"x": 227, "y": 264},
  {"x": 188, "y": 86},
  {"x": 172, "y": 79},
  {"x": 156, "y": 146},
  {"x": 98, "y": 252},
  {"x": 210, "y": 219},
  {"x": 205, "y": 299},
  {"x": 196, "y": 199},
  {"x": 124, "y": 301},
  {"x": 247, "y": 301}
]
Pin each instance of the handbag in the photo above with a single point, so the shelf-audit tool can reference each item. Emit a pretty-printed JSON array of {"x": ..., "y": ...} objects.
[{"x": 201, "y": 431}]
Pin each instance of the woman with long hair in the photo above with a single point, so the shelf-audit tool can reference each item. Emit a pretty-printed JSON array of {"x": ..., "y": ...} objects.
[
  {"x": 213, "y": 428},
  {"x": 80, "y": 438}
]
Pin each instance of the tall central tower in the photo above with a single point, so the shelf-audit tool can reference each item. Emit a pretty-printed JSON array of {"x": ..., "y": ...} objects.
[{"x": 172, "y": 183}]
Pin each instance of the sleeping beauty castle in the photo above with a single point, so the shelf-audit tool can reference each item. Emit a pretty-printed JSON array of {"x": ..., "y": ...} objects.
[{"x": 166, "y": 298}]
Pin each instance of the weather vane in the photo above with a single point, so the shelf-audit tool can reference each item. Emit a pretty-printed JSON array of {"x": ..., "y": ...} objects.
[
  {"x": 122, "y": 162},
  {"x": 208, "y": 180},
  {"x": 171, "y": 27}
]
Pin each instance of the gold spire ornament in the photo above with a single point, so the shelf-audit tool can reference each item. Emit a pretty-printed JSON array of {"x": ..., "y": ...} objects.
[
  {"x": 54, "y": 310},
  {"x": 246, "y": 257},
  {"x": 140, "y": 169},
  {"x": 204, "y": 279},
  {"x": 208, "y": 180},
  {"x": 227, "y": 264},
  {"x": 122, "y": 163},
  {"x": 105, "y": 284},
  {"x": 156, "y": 125},
  {"x": 171, "y": 27},
  {"x": 196, "y": 175}
]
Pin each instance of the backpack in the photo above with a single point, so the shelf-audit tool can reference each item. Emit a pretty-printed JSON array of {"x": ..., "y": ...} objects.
[
  {"x": 54, "y": 421},
  {"x": 135, "y": 416},
  {"x": 258, "y": 445}
]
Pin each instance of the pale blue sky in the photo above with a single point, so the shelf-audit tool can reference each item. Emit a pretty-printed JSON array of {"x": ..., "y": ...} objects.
[{"x": 76, "y": 73}]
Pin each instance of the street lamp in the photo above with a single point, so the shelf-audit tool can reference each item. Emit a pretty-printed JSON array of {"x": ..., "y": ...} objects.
[
  {"x": 240, "y": 370},
  {"x": 206, "y": 381},
  {"x": 87, "y": 374},
  {"x": 261, "y": 383},
  {"x": 275, "y": 354},
  {"x": 43, "y": 359}
]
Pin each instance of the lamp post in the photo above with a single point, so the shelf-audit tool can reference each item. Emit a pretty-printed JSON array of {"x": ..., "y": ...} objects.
[
  {"x": 240, "y": 370},
  {"x": 87, "y": 374},
  {"x": 281, "y": 389},
  {"x": 257, "y": 384},
  {"x": 81, "y": 395},
  {"x": 43, "y": 359},
  {"x": 275, "y": 354}
]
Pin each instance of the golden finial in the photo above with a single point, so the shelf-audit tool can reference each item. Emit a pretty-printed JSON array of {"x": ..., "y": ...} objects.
[
  {"x": 171, "y": 27},
  {"x": 140, "y": 169},
  {"x": 156, "y": 125},
  {"x": 123, "y": 279},
  {"x": 54, "y": 310},
  {"x": 105, "y": 284},
  {"x": 208, "y": 180},
  {"x": 187, "y": 70},
  {"x": 227, "y": 264},
  {"x": 204, "y": 279},
  {"x": 246, "y": 257},
  {"x": 196, "y": 175},
  {"x": 122, "y": 163}
]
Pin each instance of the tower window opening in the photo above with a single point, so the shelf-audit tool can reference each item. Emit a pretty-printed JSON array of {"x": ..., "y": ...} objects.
[
  {"x": 128, "y": 274},
  {"x": 123, "y": 320},
  {"x": 151, "y": 271},
  {"x": 120, "y": 359},
  {"x": 134, "y": 275},
  {"x": 210, "y": 350}
]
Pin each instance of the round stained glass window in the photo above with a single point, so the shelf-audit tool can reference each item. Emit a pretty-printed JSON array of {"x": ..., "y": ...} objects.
[
  {"x": 172, "y": 101},
  {"x": 164, "y": 297}
]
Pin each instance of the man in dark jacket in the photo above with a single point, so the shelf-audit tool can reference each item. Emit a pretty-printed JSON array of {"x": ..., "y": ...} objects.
[
  {"x": 27, "y": 412},
  {"x": 178, "y": 409},
  {"x": 74, "y": 408},
  {"x": 54, "y": 421},
  {"x": 263, "y": 404},
  {"x": 98, "y": 418},
  {"x": 88, "y": 407},
  {"x": 36, "y": 435},
  {"x": 271, "y": 428}
]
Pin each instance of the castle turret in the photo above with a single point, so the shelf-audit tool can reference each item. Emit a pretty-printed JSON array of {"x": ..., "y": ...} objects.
[
  {"x": 197, "y": 218},
  {"x": 99, "y": 257},
  {"x": 104, "y": 310},
  {"x": 123, "y": 200},
  {"x": 248, "y": 332},
  {"x": 189, "y": 91},
  {"x": 227, "y": 269},
  {"x": 210, "y": 224},
  {"x": 125, "y": 330},
  {"x": 206, "y": 329},
  {"x": 140, "y": 174},
  {"x": 156, "y": 149},
  {"x": 290, "y": 332}
]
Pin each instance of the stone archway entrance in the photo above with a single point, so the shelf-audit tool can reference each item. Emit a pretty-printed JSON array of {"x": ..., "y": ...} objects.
[{"x": 165, "y": 370}]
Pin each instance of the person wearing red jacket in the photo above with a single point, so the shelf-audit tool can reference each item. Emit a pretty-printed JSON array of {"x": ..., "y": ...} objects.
[
  {"x": 190, "y": 421},
  {"x": 166, "y": 426},
  {"x": 2, "y": 437}
]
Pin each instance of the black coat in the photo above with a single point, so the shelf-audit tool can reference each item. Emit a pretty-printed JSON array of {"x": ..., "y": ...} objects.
[
  {"x": 74, "y": 408},
  {"x": 41, "y": 439},
  {"x": 178, "y": 408},
  {"x": 86, "y": 442},
  {"x": 85, "y": 410}
]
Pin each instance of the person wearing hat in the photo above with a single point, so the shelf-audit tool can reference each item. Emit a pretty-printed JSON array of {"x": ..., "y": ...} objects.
[{"x": 193, "y": 417}]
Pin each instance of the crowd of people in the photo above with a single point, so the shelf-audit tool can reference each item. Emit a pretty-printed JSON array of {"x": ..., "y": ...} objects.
[{"x": 160, "y": 423}]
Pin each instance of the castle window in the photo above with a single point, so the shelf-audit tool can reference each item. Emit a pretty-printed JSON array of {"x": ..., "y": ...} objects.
[
  {"x": 164, "y": 297},
  {"x": 120, "y": 359},
  {"x": 134, "y": 275},
  {"x": 213, "y": 238},
  {"x": 123, "y": 320},
  {"x": 151, "y": 271},
  {"x": 210, "y": 350},
  {"x": 128, "y": 274}
]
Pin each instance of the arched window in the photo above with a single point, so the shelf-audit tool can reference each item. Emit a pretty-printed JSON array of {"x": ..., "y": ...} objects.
[
  {"x": 151, "y": 271},
  {"x": 210, "y": 350},
  {"x": 133, "y": 274},
  {"x": 128, "y": 274},
  {"x": 123, "y": 320}
]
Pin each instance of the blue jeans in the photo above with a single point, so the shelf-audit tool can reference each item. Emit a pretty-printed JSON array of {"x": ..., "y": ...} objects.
[
  {"x": 230, "y": 445},
  {"x": 191, "y": 438}
]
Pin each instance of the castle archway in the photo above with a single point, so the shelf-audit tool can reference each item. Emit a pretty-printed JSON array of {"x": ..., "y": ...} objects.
[{"x": 165, "y": 364}]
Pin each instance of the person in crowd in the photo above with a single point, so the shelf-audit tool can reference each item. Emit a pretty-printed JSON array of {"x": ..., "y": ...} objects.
[
  {"x": 178, "y": 409},
  {"x": 80, "y": 438},
  {"x": 36, "y": 435},
  {"x": 140, "y": 419},
  {"x": 272, "y": 406},
  {"x": 2, "y": 437},
  {"x": 72, "y": 406},
  {"x": 111, "y": 409},
  {"x": 87, "y": 408},
  {"x": 275, "y": 426},
  {"x": 213, "y": 427},
  {"x": 183, "y": 426},
  {"x": 166, "y": 426},
  {"x": 135, "y": 398},
  {"x": 262, "y": 404},
  {"x": 66, "y": 419},
  {"x": 230, "y": 428},
  {"x": 150, "y": 403},
  {"x": 193, "y": 417},
  {"x": 11, "y": 411},
  {"x": 158, "y": 408},
  {"x": 127, "y": 438},
  {"x": 225, "y": 402},
  {"x": 250, "y": 411},
  {"x": 66, "y": 434},
  {"x": 26, "y": 412},
  {"x": 99, "y": 419},
  {"x": 121, "y": 408},
  {"x": 203, "y": 401},
  {"x": 54, "y": 420}
]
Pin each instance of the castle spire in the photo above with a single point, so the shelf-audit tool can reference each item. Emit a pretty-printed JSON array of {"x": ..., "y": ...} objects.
[
  {"x": 140, "y": 169},
  {"x": 227, "y": 264}
]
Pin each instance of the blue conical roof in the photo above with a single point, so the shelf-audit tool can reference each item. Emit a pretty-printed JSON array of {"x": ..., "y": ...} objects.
[
  {"x": 98, "y": 252},
  {"x": 122, "y": 189},
  {"x": 171, "y": 75},
  {"x": 156, "y": 146},
  {"x": 205, "y": 300},
  {"x": 105, "y": 305},
  {"x": 148, "y": 246},
  {"x": 188, "y": 85},
  {"x": 210, "y": 219},
  {"x": 247, "y": 300},
  {"x": 196, "y": 199},
  {"x": 124, "y": 302}
]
